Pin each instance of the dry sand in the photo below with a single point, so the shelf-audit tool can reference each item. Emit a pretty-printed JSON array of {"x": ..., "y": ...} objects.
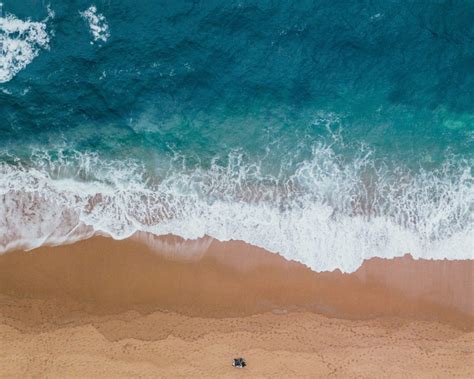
[{"x": 131, "y": 308}]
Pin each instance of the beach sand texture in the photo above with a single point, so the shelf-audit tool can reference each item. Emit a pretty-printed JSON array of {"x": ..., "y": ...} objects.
[{"x": 101, "y": 307}]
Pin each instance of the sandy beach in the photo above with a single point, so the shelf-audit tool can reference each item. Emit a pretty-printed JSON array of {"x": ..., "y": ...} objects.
[
  {"x": 186, "y": 183},
  {"x": 101, "y": 307}
]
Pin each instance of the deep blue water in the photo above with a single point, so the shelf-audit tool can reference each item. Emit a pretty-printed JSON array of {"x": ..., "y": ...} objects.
[{"x": 341, "y": 110}]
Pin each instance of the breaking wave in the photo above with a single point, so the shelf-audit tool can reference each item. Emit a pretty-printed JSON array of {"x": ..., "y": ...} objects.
[{"x": 326, "y": 213}]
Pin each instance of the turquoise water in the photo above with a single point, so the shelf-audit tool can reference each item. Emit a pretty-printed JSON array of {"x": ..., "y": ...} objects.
[{"x": 327, "y": 131}]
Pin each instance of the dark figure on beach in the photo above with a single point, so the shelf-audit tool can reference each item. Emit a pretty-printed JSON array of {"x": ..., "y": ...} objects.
[{"x": 239, "y": 363}]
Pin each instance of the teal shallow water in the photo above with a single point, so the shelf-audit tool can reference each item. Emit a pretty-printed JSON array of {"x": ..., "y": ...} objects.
[{"x": 303, "y": 120}]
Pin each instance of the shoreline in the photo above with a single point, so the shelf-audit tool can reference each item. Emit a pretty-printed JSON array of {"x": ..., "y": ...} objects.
[
  {"x": 210, "y": 278},
  {"x": 140, "y": 307}
]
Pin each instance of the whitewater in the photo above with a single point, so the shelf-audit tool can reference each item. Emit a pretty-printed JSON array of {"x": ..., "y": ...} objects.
[
  {"x": 20, "y": 42},
  {"x": 323, "y": 215}
]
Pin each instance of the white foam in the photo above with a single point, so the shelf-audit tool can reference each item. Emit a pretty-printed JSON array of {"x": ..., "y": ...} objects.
[
  {"x": 20, "y": 43},
  {"x": 97, "y": 22},
  {"x": 327, "y": 215}
]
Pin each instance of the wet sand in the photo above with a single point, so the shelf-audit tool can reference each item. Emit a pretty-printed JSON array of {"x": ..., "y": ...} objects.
[{"x": 136, "y": 307}]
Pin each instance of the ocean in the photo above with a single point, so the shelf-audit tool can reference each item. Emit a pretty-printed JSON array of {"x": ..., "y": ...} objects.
[{"x": 329, "y": 132}]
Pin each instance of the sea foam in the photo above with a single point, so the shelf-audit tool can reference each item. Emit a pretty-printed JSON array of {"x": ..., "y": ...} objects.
[
  {"x": 328, "y": 214},
  {"x": 20, "y": 42},
  {"x": 97, "y": 23}
]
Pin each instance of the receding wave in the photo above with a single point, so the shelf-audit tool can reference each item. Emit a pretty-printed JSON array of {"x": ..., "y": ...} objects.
[{"x": 325, "y": 212}]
